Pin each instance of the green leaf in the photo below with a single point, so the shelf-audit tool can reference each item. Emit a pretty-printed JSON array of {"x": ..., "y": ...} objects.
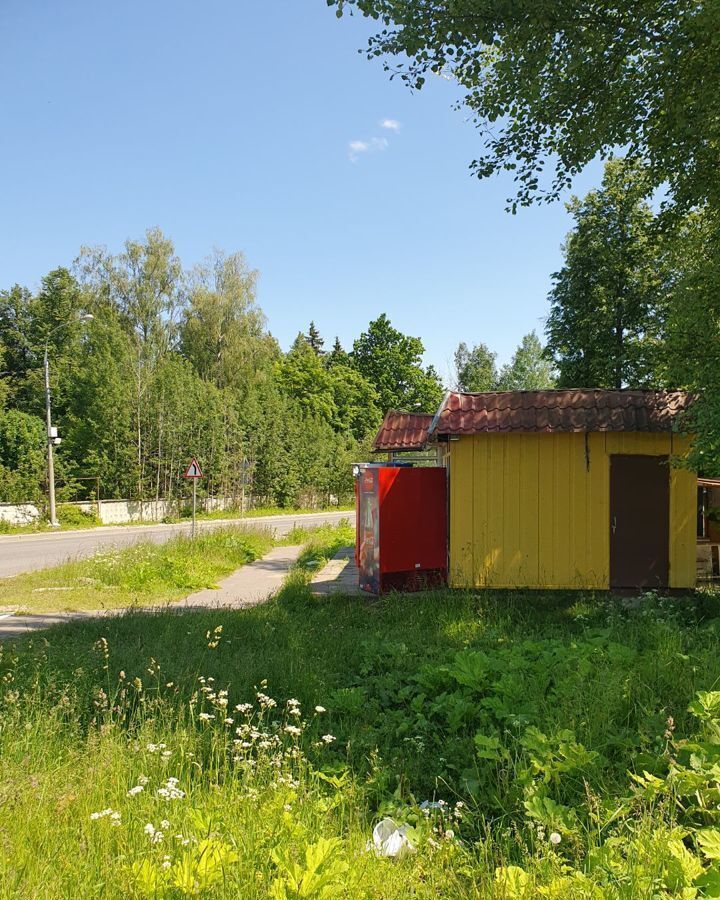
[
  {"x": 709, "y": 841},
  {"x": 709, "y": 882},
  {"x": 487, "y": 747}
]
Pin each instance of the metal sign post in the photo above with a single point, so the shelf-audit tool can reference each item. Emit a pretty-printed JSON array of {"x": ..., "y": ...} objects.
[
  {"x": 194, "y": 524},
  {"x": 194, "y": 472}
]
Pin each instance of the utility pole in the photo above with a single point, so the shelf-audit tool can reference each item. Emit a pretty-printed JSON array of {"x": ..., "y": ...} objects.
[{"x": 50, "y": 438}]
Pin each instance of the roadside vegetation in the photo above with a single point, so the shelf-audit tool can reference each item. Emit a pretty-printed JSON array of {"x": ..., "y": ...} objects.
[
  {"x": 145, "y": 574},
  {"x": 69, "y": 517},
  {"x": 72, "y": 517},
  {"x": 139, "y": 575},
  {"x": 567, "y": 744}
]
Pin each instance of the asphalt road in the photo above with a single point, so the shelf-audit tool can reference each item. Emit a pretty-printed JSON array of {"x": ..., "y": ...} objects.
[{"x": 27, "y": 552}]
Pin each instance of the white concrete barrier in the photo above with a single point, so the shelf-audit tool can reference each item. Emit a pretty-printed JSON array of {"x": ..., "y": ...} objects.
[
  {"x": 19, "y": 513},
  {"x": 115, "y": 512}
]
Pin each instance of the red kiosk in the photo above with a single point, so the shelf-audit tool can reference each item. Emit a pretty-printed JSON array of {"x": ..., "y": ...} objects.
[{"x": 401, "y": 540}]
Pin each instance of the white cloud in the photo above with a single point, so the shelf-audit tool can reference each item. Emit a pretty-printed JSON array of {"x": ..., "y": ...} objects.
[
  {"x": 391, "y": 125},
  {"x": 374, "y": 145}
]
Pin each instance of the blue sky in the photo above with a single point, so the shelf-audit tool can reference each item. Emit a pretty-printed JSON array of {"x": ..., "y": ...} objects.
[{"x": 255, "y": 125}]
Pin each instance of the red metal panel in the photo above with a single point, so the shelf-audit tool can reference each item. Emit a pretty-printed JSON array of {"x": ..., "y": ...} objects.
[
  {"x": 401, "y": 537},
  {"x": 413, "y": 526}
]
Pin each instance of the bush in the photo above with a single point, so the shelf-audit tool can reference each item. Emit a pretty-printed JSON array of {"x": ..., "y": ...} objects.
[{"x": 71, "y": 516}]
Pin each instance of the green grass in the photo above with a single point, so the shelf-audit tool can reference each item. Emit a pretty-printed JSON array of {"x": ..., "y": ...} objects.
[
  {"x": 145, "y": 573},
  {"x": 528, "y": 714},
  {"x": 139, "y": 575},
  {"x": 319, "y": 546}
]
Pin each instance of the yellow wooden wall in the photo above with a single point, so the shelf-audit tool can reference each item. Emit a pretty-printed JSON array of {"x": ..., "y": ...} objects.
[{"x": 526, "y": 510}]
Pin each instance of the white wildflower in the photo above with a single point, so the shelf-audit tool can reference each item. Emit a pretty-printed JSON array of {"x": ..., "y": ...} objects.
[
  {"x": 320, "y": 709},
  {"x": 555, "y": 838},
  {"x": 328, "y": 738},
  {"x": 134, "y": 791},
  {"x": 170, "y": 790},
  {"x": 293, "y": 729},
  {"x": 102, "y": 814}
]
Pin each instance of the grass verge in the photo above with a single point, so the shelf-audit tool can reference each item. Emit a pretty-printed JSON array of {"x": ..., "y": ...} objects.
[
  {"x": 145, "y": 573},
  {"x": 139, "y": 575},
  {"x": 568, "y": 744},
  {"x": 72, "y": 518}
]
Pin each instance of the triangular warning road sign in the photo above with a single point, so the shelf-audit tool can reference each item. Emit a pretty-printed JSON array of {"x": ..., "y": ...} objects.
[{"x": 193, "y": 470}]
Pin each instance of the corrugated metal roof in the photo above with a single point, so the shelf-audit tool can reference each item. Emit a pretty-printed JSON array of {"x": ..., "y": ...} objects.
[
  {"x": 549, "y": 411},
  {"x": 403, "y": 431}
]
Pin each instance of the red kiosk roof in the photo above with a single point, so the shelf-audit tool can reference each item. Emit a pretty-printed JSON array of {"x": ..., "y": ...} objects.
[{"x": 403, "y": 431}]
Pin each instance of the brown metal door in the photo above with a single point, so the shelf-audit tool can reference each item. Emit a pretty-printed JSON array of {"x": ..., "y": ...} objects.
[{"x": 639, "y": 521}]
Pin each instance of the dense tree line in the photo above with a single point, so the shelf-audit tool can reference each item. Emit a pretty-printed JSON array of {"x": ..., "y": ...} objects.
[
  {"x": 176, "y": 363},
  {"x": 636, "y": 303}
]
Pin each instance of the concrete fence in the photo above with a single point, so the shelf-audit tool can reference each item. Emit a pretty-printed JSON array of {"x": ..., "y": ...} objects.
[{"x": 115, "y": 512}]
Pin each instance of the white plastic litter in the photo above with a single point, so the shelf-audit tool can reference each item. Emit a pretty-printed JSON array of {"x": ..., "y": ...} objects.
[
  {"x": 390, "y": 839},
  {"x": 433, "y": 804}
]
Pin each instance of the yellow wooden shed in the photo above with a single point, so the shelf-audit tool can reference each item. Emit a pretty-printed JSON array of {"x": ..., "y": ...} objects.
[{"x": 568, "y": 489}]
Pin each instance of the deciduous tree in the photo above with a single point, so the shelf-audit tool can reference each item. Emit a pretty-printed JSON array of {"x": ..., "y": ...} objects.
[
  {"x": 529, "y": 369},
  {"x": 475, "y": 369},
  {"x": 604, "y": 325},
  {"x": 553, "y": 84},
  {"x": 392, "y": 363}
]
